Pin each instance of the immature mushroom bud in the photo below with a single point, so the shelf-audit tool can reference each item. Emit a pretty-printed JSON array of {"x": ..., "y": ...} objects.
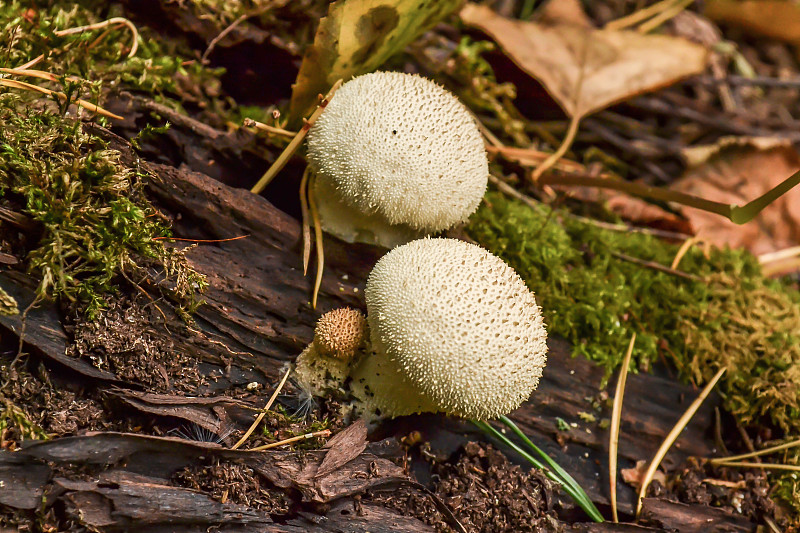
[
  {"x": 324, "y": 364},
  {"x": 340, "y": 333},
  {"x": 453, "y": 329},
  {"x": 396, "y": 157}
]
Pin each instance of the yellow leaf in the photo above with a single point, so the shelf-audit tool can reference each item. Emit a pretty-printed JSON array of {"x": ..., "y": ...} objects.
[
  {"x": 586, "y": 69},
  {"x": 356, "y": 37}
]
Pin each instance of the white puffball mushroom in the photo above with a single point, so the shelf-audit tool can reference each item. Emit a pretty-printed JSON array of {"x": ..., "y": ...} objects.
[
  {"x": 453, "y": 329},
  {"x": 396, "y": 157}
]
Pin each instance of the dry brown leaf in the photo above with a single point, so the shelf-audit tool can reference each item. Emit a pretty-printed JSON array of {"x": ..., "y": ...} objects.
[
  {"x": 356, "y": 37},
  {"x": 736, "y": 172},
  {"x": 777, "y": 19},
  {"x": 633, "y": 476},
  {"x": 585, "y": 70}
]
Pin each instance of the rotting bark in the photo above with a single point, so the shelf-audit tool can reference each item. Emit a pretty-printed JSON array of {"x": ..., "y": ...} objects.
[{"x": 256, "y": 318}]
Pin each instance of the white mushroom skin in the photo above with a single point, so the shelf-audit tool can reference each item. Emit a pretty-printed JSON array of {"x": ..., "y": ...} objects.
[
  {"x": 456, "y": 326},
  {"x": 397, "y": 149}
]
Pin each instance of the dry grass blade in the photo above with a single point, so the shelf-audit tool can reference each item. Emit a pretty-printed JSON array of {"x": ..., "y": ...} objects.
[
  {"x": 312, "y": 203},
  {"x": 757, "y": 453},
  {"x": 780, "y": 255},
  {"x": 323, "y": 433},
  {"x": 306, "y": 223},
  {"x": 640, "y": 15},
  {"x": 261, "y": 415},
  {"x": 105, "y": 24},
  {"x": 35, "y": 74},
  {"x": 83, "y": 103},
  {"x": 768, "y": 466},
  {"x": 664, "y": 16},
  {"x": 671, "y": 437},
  {"x": 279, "y": 163},
  {"x": 613, "y": 437}
]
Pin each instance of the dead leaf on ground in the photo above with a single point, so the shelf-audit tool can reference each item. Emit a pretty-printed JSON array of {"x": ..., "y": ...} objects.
[
  {"x": 633, "y": 476},
  {"x": 585, "y": 70},
  {"x": 343, "y": 448},
  {"x": 736, "y": 172},
  {"x": 776, "y": 19},
  {"x": 356, "y": 37}
]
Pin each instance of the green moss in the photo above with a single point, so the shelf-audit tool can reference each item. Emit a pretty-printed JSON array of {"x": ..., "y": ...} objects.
[
  {"x": 730, "y": 317},
  {"x": 95, "y": 221}
]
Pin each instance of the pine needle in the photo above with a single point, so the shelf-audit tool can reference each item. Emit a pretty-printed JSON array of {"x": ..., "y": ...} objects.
[
  {"x": 757, "y": 453},
  {"x": 672, "y": 437},
  {"x": 261, "y": 415},
  {"x": 616, "y": 417},
  {"x": 323, "y": 433}
]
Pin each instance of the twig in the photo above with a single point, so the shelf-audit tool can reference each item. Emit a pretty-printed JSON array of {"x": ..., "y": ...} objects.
[
  {"x": 656, "y": 266},
  {"x": 249, "y": 122},
  {"x": 295, "y": 144},
  {"x": 613, "y": 437},
  {"x": 734, "y": 213},
  {"x": 105, "y": 24},
  {"x": 672, "y": 437},
  {"x": 261, "y": 415}
]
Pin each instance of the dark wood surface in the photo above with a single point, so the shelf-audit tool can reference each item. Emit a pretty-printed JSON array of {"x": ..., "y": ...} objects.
[{"x": 256, "y": 318}]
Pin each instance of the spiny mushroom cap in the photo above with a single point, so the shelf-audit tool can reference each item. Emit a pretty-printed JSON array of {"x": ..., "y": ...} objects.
[
  {"x": 402, "y": 147},
  {"x": 340, "y": 333},
  {"x": 460, "y": 324}
]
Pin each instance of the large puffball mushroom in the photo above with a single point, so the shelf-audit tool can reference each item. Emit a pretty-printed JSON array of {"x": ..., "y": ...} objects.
[
  {"x": 324, "y": 364},
  {"x": 452, "y": 329},
  {"x": 396, "y": 157}
]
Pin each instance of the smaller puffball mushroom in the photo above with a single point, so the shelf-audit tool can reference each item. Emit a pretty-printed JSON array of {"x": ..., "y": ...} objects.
[
  {"x": 452, "y": 329},
  {"x": 396, "y": 157},
  {"x": 324, "y": 364}
]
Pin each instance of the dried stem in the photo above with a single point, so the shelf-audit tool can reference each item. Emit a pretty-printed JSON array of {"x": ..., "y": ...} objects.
[
  {"x": 106, "y": 23},
  {"x": 279, "y": 163}
]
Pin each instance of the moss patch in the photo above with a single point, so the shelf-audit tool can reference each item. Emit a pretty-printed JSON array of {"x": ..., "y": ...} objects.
[{"x": 731, "y": 317}]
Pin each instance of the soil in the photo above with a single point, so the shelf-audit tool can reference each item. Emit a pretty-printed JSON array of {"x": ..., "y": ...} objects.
[
  {"x": 229, "y": 482},
  {"x": 128, "y": 339},
  {"x": 486, "y": 492}
]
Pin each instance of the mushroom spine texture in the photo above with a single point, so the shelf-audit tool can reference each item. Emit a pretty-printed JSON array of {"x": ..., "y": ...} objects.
[
  {"x": 401, "y": 147},
  {"x": 458, "y": 324}
]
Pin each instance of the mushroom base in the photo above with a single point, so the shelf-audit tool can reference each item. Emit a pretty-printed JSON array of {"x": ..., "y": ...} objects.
[{"x": 344, "y": 221}]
